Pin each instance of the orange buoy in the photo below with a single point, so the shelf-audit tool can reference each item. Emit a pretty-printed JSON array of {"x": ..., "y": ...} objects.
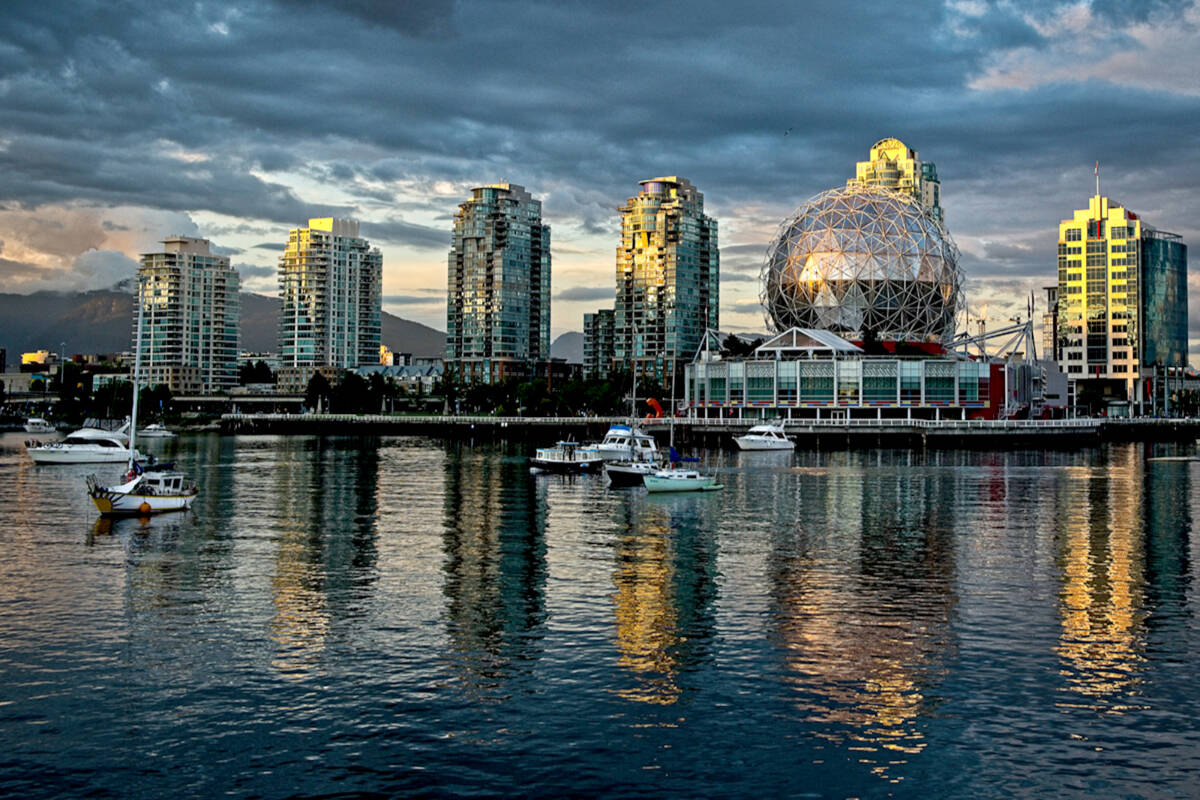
[{"x": 144, "y": 507}]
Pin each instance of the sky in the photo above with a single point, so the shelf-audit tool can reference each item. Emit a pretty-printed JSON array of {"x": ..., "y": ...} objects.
[{"x": 124, "y": 122}]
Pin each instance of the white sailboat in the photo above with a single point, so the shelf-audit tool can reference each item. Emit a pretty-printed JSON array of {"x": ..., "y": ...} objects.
[{"x": 144, "y": 491}]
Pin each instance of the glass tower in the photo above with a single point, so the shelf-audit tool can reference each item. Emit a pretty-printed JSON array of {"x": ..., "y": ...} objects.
[
  {"x": 190, "y": 326},
  {"x": 598, "y": 343},
  {"x": 498, "y": 286},
  {"x": 331, "y": 283},
  {"x": 668, "y": 284},
  {"x": 1122, "y": 297}
]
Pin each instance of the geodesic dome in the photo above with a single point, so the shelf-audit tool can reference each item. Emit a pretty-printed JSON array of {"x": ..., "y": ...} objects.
[{"x": 859, "y": 259}]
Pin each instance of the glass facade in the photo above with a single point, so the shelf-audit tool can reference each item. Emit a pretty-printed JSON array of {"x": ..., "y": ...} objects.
[
  {"x": 331, "y": 284},
  {"x": 1120, "y": 303},
  {"x": 190, "y": 322},
  {"x": 838, "y": 383},
  {"x": 668, "y": 284},
  {"x": 498, "y": 285}
]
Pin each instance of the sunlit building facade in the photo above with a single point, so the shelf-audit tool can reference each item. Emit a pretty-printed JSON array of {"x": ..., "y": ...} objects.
[
  {"x": 598, "y": 344},
  {"x": 190, "y": 322},
  {"x": 1121, "y": 313},
  {"x": 498, "y": 286},
  {"x": 894, "y": 165},
  {"x": 331, "y": 284},
  {"x": 668, "y": 284}
]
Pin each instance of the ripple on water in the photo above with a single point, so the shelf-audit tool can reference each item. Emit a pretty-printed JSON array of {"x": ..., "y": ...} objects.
[{"x": 403, "y": 616}]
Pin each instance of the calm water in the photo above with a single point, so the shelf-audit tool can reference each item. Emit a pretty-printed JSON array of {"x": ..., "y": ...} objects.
[{"x": 406, "y": 617}]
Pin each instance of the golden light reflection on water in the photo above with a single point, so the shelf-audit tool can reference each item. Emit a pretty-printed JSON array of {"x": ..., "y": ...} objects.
[
  {"x": 1103, "y": 585},
  {"x": 645, "y": 608},
  {"x": 301, "y": 622},
  {"x": 864, "y": 600}
]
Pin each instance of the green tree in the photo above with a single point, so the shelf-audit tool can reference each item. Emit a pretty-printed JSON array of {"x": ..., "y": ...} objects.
[{"x": 318, "y": 392}]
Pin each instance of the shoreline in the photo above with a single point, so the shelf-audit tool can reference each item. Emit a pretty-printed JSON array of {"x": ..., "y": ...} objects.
[{"x": 719, "y": 432}]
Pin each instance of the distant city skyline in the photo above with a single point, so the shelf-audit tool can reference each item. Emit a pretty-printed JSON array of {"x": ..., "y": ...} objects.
[{"x": 238, "y": 124}]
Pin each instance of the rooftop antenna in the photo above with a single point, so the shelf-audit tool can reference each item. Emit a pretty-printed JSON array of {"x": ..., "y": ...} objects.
[{"x": 1096, "y": 172}]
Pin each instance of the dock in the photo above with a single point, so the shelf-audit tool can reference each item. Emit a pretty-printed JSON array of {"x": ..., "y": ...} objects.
[{"x": 719, "y": 432}]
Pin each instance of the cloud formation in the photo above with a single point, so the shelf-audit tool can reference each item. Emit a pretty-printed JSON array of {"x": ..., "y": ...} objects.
[{"x": 245, "y": 121}]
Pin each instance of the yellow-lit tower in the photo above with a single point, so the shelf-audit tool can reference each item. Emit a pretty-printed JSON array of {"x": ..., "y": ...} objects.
[
  {"x": 1122, "y": 300},
  {"x": 894, "y": 165}
]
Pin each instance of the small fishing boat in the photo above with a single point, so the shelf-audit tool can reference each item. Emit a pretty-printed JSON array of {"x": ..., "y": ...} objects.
[
  {"x": 681, "y": 480},
  {"x": 765, "y": 437},
  {"x": 565, "y": 457},
  {"x": 39, "y": 425},
  {"x": 144, "y": 492}
]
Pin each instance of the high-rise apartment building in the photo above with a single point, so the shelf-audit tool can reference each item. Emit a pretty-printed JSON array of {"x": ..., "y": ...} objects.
[
  {"x": 598, "y": 343},
  {"x": 1121, "y": 299},
  {"x": 190, "y": 322},
  {"x": 498, "y": 286},
  {"x": 331, "y": 284},
  {"x": 668, "y": 283},
  {"x": 894, "y": 165}
]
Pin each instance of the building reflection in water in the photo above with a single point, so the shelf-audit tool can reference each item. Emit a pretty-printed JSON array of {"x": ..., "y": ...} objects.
[
  {"x": 494, "y": 540},
  {"x": 863, "y": 593},
  {"x": 325, "y": 500},
  {"x": 1102, "y": 600},
  {"x": 665, "y": 588}
]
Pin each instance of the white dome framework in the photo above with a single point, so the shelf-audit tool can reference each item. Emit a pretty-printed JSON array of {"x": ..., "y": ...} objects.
[{"x": 863, "y": 261}]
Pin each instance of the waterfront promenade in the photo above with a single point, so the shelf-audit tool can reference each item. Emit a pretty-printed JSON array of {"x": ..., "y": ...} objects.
[{"x": 716, "y": 432}]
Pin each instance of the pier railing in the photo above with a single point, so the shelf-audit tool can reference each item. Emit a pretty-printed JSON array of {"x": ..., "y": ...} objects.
[{"x": 1081, "y": 424}]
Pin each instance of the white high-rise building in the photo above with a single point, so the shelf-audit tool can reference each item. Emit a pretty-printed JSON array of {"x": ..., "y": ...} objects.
[
  {"x": 190, "y": 327},
  {"x": 331, "y": 284}
]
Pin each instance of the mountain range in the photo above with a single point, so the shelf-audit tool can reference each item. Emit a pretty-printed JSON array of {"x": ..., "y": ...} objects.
[{"x": 102, "y": 322}]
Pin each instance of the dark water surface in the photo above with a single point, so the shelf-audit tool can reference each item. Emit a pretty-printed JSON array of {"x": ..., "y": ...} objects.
[{"x": 411, "y": 618}]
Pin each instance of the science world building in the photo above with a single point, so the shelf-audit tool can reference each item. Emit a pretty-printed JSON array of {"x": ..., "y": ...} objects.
[{"x": 862, "y": 289}]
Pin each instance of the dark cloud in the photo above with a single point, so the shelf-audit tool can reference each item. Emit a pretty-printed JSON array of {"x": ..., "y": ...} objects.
[
  {"x": 256, "y": 112},
  {"x": 586, "y": 293},
  {"x": 280, "y": 246},
  {"x": 739, "y": 277}
]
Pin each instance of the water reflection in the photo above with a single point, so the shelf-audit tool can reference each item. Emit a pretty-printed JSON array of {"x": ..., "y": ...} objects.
[
  {"x": 326, "y": 553},
  {"x": 863, "y": 587},
  {"x": 494, "y": 540},
  {"x": 665, "y": 591}
]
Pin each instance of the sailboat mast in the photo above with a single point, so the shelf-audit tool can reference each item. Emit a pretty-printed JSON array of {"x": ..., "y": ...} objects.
[{"x": 137, "y": 370}]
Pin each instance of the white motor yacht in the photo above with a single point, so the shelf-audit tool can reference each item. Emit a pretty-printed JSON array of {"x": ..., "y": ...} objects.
[
  {"x": 625, "y": 443},
  {"x": 155, "y": 430},
  {"x": 765, "y": 437},
  {"x": 84, "y": 446},
  {"x": 39, "y": 425}
]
